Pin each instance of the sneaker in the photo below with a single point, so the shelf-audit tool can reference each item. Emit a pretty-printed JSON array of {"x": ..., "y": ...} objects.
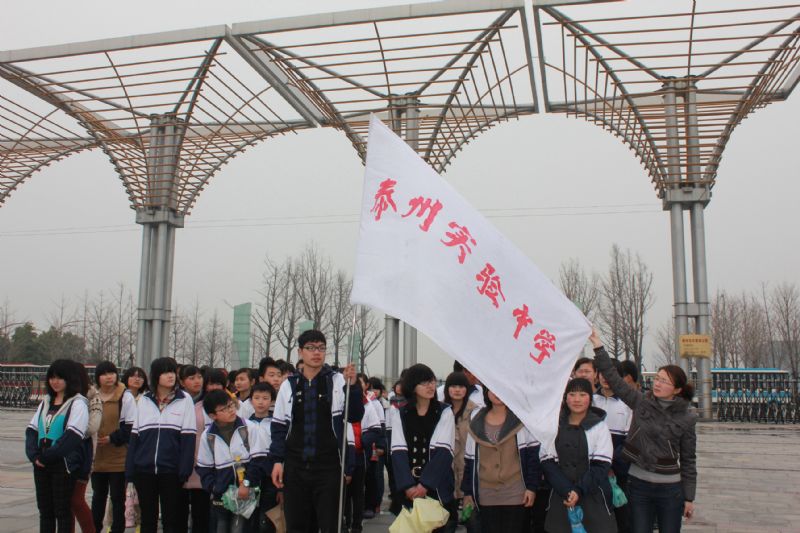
[{"x": 369, "y": 514}]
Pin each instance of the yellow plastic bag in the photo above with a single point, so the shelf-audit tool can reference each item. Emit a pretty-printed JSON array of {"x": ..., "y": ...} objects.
[
  {"x": 430, "y": 513},
  {"x": 404, "y": 523},
  {"x": 426, "y": 515}
]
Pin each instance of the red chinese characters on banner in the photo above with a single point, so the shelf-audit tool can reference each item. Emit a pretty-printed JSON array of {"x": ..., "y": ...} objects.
[
  {"x": 490, "y": 284},
  {"x": 545, "y": 342},
  {"x": 461, "y": 238},
  {"x": 422, "y": 205},
  {"x": 383, "y": 198},
  {"x": 523, "y": 319}
]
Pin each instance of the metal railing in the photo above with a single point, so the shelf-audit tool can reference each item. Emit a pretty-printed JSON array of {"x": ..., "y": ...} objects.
[
  {"x": 22, "y": 388},
  {"x": 760, "y": 406}
]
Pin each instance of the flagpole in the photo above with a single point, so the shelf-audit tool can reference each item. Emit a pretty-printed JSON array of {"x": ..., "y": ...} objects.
[{"x": 344, "y": 425}]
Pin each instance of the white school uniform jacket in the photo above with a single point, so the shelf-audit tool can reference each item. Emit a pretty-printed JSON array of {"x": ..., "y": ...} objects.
[
  {"x": 437, "y": 474},
  {"x": 217, "y": 466},
  {"x": 618, "y": 415},
  {"x": 264, "y": 427},
  {"x": 245, "y": 409},
  {"x": 163, "y": 442}
]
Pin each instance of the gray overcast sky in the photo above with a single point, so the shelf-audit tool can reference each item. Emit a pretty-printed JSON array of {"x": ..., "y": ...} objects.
[{"x": 581, "y": 188}]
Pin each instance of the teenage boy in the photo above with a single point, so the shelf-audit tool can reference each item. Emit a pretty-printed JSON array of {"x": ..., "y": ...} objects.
[
  {"x": 263, "y": 399},
  {"x": 231, "y": 452},
  {"x": 268, "y": 372},
  {"x": 584, "y": 368},
  {"x": 308, "y": 426}
]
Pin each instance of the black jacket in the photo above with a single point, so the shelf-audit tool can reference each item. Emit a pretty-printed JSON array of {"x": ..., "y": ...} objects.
[{"x": 661, "y": 439}]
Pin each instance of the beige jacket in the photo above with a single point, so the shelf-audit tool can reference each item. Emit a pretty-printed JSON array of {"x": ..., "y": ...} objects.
[{"x": 462, "y": 427}]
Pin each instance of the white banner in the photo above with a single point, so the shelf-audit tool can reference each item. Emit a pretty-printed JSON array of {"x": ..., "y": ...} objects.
[{"x": 429, "y": 258}]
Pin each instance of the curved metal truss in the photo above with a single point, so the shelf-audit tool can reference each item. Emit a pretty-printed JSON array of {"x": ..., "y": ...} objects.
[
  {"x": 33, "y": 136},
  {"x": 170, "y": 109},
  {"x": 672, "y": 85},
  {"x": 439, "y": 79},
  {"x": 168, "y": 115}
]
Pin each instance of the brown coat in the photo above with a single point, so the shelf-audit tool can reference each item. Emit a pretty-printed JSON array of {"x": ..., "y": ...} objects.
[
  {"x": 499, "y": 463},
  {"x": 111, "y": 458},
  {"x": 462, "y": 427}
]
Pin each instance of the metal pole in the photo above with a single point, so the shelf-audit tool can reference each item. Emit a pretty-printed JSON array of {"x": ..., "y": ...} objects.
[
  {"x": 701, "y": 299},
  {"x": 344, "y": 433},
  {"x": 698, "y": 231},
  {"x": 160, "y": 286},
  {"x": 142, "y": 357},
  {"x": 412, "y": 138},
  {"x": 167, "y": 306},
  {"x": 676, "y": 222}
]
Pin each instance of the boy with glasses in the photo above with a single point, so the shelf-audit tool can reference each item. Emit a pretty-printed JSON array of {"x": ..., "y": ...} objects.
[
  {"x": 232, "y": 452},
  {"x": 308, "y": 428}
]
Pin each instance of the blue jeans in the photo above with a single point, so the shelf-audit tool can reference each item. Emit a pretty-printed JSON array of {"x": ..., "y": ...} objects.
[
  {"x": 649, "y": 500},
  {"x": 226, "y": 521}
]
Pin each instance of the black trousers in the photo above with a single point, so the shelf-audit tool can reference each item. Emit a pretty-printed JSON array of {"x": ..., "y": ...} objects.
[
  {"x": 354, "y": 496},
  {"x": 153, "y": 489},
  {"x": 503, "y": 518},
  {"x": 373, "y": 484},
  {"x": 54, "y": 486},
  {"x": 102, "y": 484},
  {"x": 311, "y": 497},
  {"x": 538, "y": 512},
  {"x": 259, "y": 523},
  {"x": 199, "y": 502}
]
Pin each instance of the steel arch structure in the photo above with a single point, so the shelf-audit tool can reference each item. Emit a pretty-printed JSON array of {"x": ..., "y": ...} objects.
[{"x": 170, "y": 109}]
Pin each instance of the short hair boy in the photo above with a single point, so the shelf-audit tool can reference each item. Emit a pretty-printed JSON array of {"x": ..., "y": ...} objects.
[{"x": 232, "y": 453}]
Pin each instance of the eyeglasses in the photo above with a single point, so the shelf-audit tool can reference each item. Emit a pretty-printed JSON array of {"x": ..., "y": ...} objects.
[
  {"x": 663, "y": 381},
  {"x": 314, "y": 348},
  {"x": 228, "y": 407}
]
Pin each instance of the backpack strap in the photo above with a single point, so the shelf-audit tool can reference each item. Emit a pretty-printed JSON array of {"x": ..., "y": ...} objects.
[
  {"x": 244, "y": 435},
  {"x": 210, "y": 438}
]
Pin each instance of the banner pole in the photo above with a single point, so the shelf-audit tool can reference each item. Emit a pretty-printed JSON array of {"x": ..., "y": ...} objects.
[{"x": 344, "y": 425}]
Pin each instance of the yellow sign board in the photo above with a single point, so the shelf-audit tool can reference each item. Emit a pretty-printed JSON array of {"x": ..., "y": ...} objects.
[{"x": 695, "y": 345}]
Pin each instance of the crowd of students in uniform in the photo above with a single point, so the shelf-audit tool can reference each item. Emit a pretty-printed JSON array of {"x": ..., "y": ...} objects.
[{"x": 188, "y": 440}]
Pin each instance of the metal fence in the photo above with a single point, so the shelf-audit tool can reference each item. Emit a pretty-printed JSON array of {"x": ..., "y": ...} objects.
[
  {"x": 22, "y": 387},
  {"x": 763, "y": 406}
]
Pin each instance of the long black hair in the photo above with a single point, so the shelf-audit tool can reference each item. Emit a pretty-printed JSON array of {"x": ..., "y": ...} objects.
[
  {"x": 68, "y": 371},
  {"x": 456, "y": 379}
]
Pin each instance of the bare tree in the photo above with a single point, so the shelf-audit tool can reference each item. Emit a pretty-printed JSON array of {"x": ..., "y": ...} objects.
[
  {"x": 289, "y": 308},
  {"x": 340, "y": 314},
  {"x": 582, "y": 288},
  {"x": 177, "y": 336},
  {"x": 786, "y": 314},
  {"x": 267, "y": 312},
  {"x": 725, "y": 330},
  {"x": 194, "y": 340},
  {"x": 665, "y": 342},
  {"x": 313, "y": 284},
  {"x": 627, "y": 296},
  {"x": 99, "y": 328},
  {"x": 368, "y": 331},
  {"x": 754, "y": 343},
  {"x": 216, "y": 343},
  {"x": 64, "y": 316}
]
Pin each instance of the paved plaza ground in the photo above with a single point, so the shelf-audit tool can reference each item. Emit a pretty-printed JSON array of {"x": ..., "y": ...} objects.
[{"x": 748, "y": 479}]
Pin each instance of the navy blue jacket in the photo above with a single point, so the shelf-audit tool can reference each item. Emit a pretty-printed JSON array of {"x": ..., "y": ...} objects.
[
  {"x": 162, "y": 442},
  {"x": 336, "y": 388}
]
